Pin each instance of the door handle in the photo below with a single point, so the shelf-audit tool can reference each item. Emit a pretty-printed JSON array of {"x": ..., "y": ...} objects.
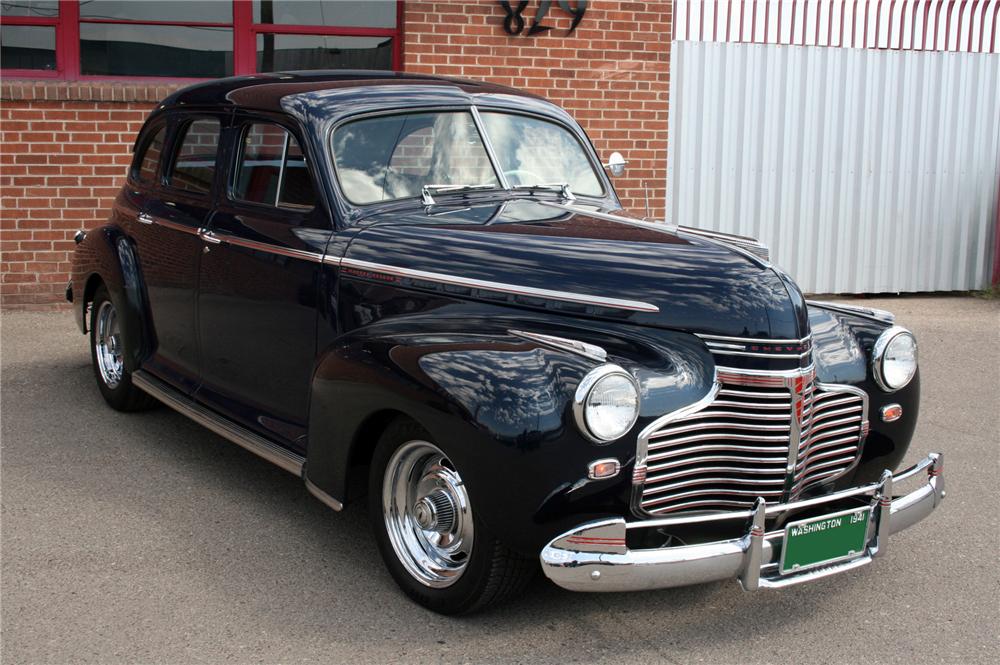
[
  {"x": 209, "y": 237},
  {"x": 144, "y": 218}
]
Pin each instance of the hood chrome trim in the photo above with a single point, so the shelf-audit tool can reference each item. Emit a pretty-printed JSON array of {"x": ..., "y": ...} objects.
[{"x": 500, "y": 287}]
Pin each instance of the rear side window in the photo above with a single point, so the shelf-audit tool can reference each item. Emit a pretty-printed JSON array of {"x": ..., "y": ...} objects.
[
  {"x": 150, "y": 161},
  {"x": 272, "y": 169},
  {"x": 194, "y": 163}
]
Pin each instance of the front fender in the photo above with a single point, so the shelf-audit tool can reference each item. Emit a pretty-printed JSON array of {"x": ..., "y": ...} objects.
[
  {"x": 842, "y": 353},
  {"x": 498, "y": 404},
  {"x": 106, "y": 255}
]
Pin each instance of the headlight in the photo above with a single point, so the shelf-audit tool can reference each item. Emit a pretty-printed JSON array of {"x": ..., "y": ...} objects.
[
  {"x": 895, "y": 358},
  {"x": 606, "y": 403}
]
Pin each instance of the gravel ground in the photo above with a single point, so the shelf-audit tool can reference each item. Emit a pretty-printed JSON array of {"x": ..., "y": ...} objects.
[{"x": 145, "y": 538}]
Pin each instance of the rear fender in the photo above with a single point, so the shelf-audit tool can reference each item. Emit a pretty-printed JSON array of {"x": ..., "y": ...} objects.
[{"x": 107, "y": 256}]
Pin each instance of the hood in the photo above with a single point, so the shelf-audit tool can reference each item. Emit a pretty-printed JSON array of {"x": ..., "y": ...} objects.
[{"x": 695, "y": 284}]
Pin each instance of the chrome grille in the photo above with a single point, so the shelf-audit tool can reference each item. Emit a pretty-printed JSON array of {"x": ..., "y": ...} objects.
[
  {"x": 834, "y": 424},
  {"x": 756, "y": 434}
]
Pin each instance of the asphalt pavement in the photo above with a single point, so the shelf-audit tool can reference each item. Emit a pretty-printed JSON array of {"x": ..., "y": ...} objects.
[{"x": 144, "y": 538}]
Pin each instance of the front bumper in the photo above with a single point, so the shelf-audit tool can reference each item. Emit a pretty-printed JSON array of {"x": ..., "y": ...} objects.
[{"x": 595, "y": 557}]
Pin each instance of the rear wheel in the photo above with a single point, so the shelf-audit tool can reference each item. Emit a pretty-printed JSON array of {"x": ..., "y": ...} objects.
[
  {"x": 436, "y": 548},
  {"x": 108, "y": 353}
]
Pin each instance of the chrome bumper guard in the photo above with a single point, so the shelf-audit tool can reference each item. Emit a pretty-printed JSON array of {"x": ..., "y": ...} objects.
[{"x": 595, "y": 557}]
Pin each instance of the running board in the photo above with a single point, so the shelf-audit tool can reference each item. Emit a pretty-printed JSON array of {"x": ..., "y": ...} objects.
[{"x": 227, "y": 429}]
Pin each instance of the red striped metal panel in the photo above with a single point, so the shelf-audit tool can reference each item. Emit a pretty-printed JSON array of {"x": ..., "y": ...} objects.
[{"x": 920, "y": 25}]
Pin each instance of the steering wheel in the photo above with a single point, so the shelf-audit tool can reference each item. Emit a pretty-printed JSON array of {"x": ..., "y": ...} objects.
[{"x": 523, "y": 177}]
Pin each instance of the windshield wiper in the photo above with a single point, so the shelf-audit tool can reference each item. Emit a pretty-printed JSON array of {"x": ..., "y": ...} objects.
[
  {"x": 427, "y": 190},
  {"x": 561, "y": 187}
]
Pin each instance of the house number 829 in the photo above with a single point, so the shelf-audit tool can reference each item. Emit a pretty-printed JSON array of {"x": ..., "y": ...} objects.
[{"x": 513, "y": 22}]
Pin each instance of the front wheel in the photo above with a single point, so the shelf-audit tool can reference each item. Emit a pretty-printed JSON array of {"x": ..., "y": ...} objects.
[
  {"x": 426, "y": 528},
  {"x": 107, "y": 352}
]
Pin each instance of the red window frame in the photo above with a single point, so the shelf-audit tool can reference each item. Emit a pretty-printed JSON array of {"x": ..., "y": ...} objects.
[{"x": 245, "y": 31}]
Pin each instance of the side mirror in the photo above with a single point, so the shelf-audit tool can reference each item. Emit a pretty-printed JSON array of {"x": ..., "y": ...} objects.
[{"x": 616, "y": 164}]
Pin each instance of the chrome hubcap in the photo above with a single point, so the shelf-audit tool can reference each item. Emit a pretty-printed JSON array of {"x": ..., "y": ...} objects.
[
  {"x": 108, "y": 345},
  {"x": 427, "y": 514}
]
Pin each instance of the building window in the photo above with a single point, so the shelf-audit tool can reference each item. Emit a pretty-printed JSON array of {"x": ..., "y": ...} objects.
[{"x": 69, "y": 39}]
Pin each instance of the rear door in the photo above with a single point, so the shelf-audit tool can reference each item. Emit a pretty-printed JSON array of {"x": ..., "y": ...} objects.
[
  {"x": 260, "y": 283},
  {"x": 166, "y": 233}
]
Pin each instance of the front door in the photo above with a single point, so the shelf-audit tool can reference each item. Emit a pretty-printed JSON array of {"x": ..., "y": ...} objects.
[{"x": 259, "y": 285}]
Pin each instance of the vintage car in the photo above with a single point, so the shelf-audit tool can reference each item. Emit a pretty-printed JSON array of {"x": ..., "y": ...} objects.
[{"x": 424, "y": 293}]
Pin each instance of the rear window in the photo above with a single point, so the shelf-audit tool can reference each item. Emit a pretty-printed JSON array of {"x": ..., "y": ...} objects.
[
  {"x": 272, "y": 169},
  {"x": 149, "y": 163},
  {"x": 194, "y": 163}
]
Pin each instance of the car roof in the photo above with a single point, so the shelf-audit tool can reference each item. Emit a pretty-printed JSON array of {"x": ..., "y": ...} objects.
[{"x": 264, "y": 92}]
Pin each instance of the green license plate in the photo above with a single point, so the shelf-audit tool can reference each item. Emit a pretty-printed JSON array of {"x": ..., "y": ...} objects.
[{"x": 820, "y": 540}]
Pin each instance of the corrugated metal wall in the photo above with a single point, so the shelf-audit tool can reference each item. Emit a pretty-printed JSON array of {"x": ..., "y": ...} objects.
[{"x": 864, "y": 170}]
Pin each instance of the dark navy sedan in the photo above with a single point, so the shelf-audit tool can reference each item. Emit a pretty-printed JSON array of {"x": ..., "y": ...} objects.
[{"x": 423, "y": 292}]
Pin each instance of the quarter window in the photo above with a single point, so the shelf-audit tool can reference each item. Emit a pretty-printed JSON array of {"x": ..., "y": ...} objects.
[
  {"x": 194, "y": 164},
  {"x": 272, "y": 169},
  {"x": 150, "y": 161}
]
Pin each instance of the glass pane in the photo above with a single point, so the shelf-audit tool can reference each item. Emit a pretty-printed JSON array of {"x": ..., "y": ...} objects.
[
  {"x": 155, "y": 50},
  {"x": 35, "y": 8},
  {"x": 27, "y": 47},
  {"x": 208, "y": 11},
  {"x": 194, "y": 167},
  {"x": 151, "y": 158},
  {"x": 536, "y": 152},
  {"x": 285, "y": 53},
  {"x": 346, "y": 13},
  {"x": 260, "y": 164},
  {"x": 296, "y": 185},
  {"x": 393, "y": 157}
]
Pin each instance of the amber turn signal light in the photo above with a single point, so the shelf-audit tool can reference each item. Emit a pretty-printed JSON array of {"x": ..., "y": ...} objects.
[
  {"x": 892, "y": 412},
  {"x": 603, "y": 468}
]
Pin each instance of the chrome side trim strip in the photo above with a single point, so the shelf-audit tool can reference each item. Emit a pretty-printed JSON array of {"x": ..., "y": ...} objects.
[
  {"x": 324, "y": 498},
  {"x": 591, "y": 351},
  {"x": 269, "y": 248},
  {"x": 566, "y": 296},
  {"x": 174, "y": 226},
  {"x": 244, "y": 438}
]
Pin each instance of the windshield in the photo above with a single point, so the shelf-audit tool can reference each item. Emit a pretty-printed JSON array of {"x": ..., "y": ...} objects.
[
  {"x": 394, "y": 157},
  {"x": 531, "y": 151}
]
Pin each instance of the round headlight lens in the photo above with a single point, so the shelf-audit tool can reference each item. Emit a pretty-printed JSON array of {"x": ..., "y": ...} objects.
[
  {"x": 610, "y": 403},
  {"x": 896, "y": 358}
]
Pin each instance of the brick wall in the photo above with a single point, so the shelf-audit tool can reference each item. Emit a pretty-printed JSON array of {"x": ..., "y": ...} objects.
[
  {"x": 64, "y": 147},
  {"x": 611, "y": 73}
]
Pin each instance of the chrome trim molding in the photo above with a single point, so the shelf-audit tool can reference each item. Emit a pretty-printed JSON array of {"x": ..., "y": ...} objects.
[
  {"x": 878, "y": 356},
  {"x": 501, "y": 287},
  {"x": 227, "y": 429},
  {"x": 324, "y": 498},
  {"x": 749, "y": 247},
  {"x": 583, "y": 392},
  {"x": 269, "y": 248},
  {"x": 880, "y": 315},
  {"x": 591, "y": 351},
  {"x": 795, "y": 349},
  {"x": 488, "y": 146},
  {"x": 609, "y": 217},
  {"x": 595, "y": 556}
]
